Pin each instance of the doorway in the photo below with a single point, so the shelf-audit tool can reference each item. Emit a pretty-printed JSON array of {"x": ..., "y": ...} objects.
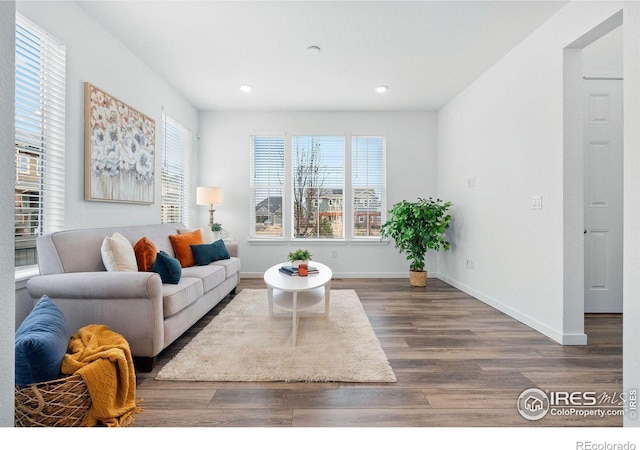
[
  {"x": 603, "y": 173},
  {"x": 574, "y": 181}
]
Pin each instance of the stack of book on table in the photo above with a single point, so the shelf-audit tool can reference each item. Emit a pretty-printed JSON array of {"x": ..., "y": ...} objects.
[{"x": 293, "y": 271}]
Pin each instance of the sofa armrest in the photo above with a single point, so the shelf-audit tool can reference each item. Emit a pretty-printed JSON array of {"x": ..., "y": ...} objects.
[
  {"x": 232, "y": 248},
  {"x": 129, "y": 303}
]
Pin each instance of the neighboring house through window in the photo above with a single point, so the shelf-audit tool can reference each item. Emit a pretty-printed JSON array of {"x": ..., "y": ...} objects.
[
  {"x": 177, "y": 149},
  {"x": 39, "y": 137}
]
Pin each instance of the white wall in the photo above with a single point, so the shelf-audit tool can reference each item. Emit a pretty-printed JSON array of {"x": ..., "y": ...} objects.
[
  {"x": 224, "y": 161},
  {"x": 603, "y": 58},
  {"x": 7, "y": 140},
  {"x": 631, "y": 284},
  {"x": 506, "y": 130},
  {"x": 96, "y": 56}
]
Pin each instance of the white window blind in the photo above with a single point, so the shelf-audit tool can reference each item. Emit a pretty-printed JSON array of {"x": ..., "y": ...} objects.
[
  {"x": 267, "y": 186},
  {"x": 40, "y": 137},
  {"x": 368, "y": 182},
  {"x": 176, "y": 172},
  {"x": 318, "y": 187}
]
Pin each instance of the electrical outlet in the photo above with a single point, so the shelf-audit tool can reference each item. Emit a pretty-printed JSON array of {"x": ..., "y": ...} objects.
[
  {"x": 334, "y": 254},
  {"x": 471, "y": 182},
  {"x": 470, "y": 264}
]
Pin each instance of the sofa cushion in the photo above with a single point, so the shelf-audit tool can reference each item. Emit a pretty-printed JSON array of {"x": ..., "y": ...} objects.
[
  {"x": 118, "y": 254},
  {"x": 207, "y": 234},
  {"x": 41, "y": 342},
  {"x": 204, "y": 254},
  {"x": 176, "y": 297},
  {"x": 181, "y": 244},
  {"x": 168, "y": 267},
  {"x": 146, "y": 253},
  {"x": 231, "y": 265},
  {"x": 211, "y": 275}
]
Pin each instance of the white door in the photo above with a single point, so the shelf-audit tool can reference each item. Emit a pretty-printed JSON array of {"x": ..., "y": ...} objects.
[{"x": 603, "y": 196}]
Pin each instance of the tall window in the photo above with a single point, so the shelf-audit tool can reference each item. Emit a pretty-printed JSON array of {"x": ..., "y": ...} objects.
[
  {"x": 40, "y": 139},
  {"x": 368, "y": 183},
  {"x": 267, "y": 186},
  {"x": 318, "y": 187},
  {"x": 176, "y": 171}
]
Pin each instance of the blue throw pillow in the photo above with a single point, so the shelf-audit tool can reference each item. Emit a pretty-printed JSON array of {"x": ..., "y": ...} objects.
[
  {"x": 41, "y": 342},
  {"x": 207, "y": 253},
  {"x": 168, "y": 267}
]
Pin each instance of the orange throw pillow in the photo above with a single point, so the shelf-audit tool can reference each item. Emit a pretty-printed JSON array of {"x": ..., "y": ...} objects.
[
  {"x": 182, "y": 243},
  {"x": 146, "y": 253}
]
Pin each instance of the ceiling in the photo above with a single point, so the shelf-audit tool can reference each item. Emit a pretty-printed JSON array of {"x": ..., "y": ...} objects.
[{"x": 426, "y": 52}]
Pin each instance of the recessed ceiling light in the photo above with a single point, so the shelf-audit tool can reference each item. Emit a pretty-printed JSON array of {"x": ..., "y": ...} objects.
[
  {"x": 381, "y": 89},
  {"x": 245, "y": 88},
  {"x": 314, "y": 49}
]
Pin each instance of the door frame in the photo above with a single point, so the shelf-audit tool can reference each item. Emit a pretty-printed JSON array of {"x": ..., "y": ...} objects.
[{"x": 573, "y": 182}]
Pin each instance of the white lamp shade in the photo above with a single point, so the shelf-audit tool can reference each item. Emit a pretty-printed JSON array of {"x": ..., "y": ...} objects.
[{"x": 206, "y": 195}]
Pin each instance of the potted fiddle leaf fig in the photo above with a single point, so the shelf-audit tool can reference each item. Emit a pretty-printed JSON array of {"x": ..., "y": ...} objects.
[{"x": 417, "y": 227}]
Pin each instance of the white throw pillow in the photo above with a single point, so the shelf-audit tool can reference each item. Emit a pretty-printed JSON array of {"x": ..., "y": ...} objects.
[
  {"x": 207, "y": 234},
  {"x": 118, "y": 254}
]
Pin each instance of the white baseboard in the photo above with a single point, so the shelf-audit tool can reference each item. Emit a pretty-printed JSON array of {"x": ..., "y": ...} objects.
[
  {"x": 352, "y": 275},
  {"x": 561, "y": 338}
]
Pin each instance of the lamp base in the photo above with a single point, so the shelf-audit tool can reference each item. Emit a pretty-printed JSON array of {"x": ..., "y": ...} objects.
[{"x": 211, "y": 211}]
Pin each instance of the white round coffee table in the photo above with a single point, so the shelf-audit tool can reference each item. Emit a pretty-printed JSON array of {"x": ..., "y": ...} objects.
[{"x": 297, "y": 294}]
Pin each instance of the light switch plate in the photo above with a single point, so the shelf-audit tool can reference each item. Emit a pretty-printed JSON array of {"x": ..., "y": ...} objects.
[
  {"x": 471, "y": 182},
  {"x": 536, "y": 202}
]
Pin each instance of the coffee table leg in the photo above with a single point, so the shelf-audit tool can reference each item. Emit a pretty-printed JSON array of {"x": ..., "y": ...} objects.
[
  {"x": 327, "y": 298},
  {"x": 294, "y": 313},
  {"x": 270, "y": 297}
]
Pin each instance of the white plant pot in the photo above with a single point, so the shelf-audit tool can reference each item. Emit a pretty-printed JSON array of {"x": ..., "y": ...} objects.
[
  {"x": 216, "y": 235},
  {"x": 298, "y": 262}
]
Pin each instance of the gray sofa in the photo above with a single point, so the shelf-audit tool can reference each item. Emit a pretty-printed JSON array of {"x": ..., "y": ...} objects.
[{"x": 149, "y": 314}]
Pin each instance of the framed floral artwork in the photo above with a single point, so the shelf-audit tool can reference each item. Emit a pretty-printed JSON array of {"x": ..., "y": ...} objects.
[{"x": 119, "y": 150}]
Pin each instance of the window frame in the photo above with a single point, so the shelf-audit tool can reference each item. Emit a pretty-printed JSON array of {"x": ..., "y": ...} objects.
[
  {"x": 370, "y": 186},
  {"x": 348, "y": 197},
  {"x": 177, "y": 143},
  {"x": 330, "y": 201},
  {"x": 272, "y": 171},
  {"x": 40, "y": 94}
]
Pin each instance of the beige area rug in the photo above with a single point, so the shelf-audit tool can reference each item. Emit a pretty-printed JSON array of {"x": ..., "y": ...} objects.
[{"x": 242, "y": 343}]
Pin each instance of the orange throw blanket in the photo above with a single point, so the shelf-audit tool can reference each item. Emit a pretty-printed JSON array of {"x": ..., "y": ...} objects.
[{"x": 103, "y": 358}]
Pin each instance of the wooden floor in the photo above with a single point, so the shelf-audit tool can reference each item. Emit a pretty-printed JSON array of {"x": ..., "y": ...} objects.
[{"x": 458, "y": 363}]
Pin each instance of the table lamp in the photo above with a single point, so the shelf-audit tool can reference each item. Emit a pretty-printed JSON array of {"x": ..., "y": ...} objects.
[{"x": 207, "y": 195}]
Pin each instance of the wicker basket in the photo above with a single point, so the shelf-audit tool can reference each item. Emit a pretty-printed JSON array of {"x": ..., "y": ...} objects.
[
  {"x": 59, "y": 403},
  {"x": 418, "y": 278}
]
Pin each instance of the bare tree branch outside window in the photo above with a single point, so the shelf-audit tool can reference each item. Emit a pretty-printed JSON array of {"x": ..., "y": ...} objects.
[
  {"x": 318, "y": 187},
  {"x": 309, "y": 178}
]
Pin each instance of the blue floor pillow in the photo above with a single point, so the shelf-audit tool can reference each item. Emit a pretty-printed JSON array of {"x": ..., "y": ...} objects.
[{"x": 41, "y": 343}]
